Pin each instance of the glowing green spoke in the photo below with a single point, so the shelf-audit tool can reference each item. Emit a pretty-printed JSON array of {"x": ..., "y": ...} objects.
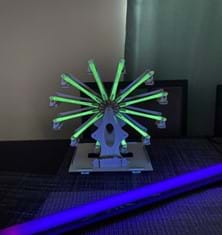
[
  {"x": 131, "y": 124},
  {"x": 117, "y": 78},
  {"x": 72, "y": 101},
  {"x": 74, "y": 111},
  {"x": 143, "y": 78},
  {"x": 67, "y": 78},
  {"x": 141, "y": 114},
  {"x": 143, "y": 95},
  {"x": 98, "y": 145},
  {"x": 143, "y": 99},
  {"x": 99, "y": 82},
  {"x": 73, "y": 97},
  {"x": 76, "y": 115},
  {"x": 135, "y": 122},
  {"x": 86, "y": 125},
  {"x": 123, "y": 143}
]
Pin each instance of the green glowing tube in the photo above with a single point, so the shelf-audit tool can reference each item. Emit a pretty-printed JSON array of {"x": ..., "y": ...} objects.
[
  {"x": 98, "y": 145},
  {"x": 86, "y": 125},
  {"x": 72, "y": 101},
  {"x": 143, "y": 78},
  {"x": 76, "y": 115},
  {"x": 75, "y": 84},
  {"x": 117, "y": 78},
  {"x": 143, "y": 99},
  {"x": 135, "y": 122},
  {"x": 136, "y": 128},
  {"x": 124, "y": 143},
  {"x": 95, "y": 73},
  {"x": 141, "y": 114},
  {"x": 143, "y": 95}
]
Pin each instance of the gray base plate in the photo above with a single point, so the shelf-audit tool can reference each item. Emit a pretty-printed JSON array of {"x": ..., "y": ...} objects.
[{"x": 139, "y": 162}]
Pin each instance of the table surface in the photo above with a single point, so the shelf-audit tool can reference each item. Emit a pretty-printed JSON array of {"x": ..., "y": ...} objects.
[{"x": 24, "y": 196}]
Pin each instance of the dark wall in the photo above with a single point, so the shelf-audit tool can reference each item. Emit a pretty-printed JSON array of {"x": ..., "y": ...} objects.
[{"x": 179, "y": 40}]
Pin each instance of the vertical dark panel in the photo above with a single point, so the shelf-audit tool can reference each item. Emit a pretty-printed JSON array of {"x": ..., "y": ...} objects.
[
  {"x": 218, "y": 113},
  {"x": 132, "y": 19},
  {"x": 179, "y": 40}
]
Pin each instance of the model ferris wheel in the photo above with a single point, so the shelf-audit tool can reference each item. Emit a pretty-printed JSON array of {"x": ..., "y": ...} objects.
[{"x": 110, "y": 110}]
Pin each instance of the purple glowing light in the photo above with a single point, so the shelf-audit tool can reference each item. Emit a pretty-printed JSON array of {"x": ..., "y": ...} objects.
[{"x": 93, "y": 208}]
